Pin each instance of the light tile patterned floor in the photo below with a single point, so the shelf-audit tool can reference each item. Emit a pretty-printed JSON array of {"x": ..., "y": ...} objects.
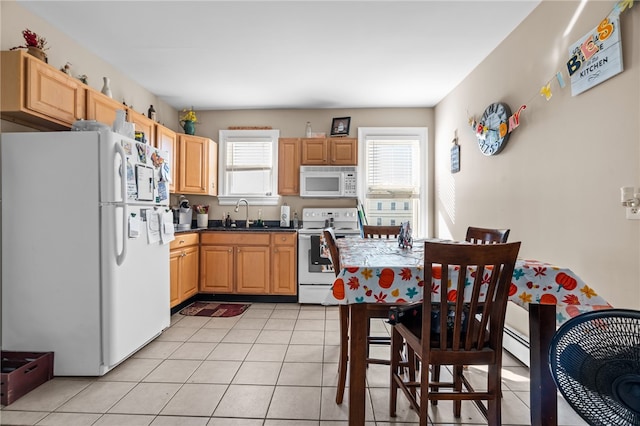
[{"x": 274, "y": 365}]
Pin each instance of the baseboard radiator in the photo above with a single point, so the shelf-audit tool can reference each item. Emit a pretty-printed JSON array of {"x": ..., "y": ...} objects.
[{"x": 517, "y": 344}]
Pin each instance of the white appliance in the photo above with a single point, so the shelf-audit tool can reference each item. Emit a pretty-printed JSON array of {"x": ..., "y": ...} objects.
[
  {"x": 315, "y": 273},
  {"x": 328, "y": 181},
  {"x": 75, "y": 278}
]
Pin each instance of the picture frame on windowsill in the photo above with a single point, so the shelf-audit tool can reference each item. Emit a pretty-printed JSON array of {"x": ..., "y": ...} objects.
[{"x": 340, "y": 126}]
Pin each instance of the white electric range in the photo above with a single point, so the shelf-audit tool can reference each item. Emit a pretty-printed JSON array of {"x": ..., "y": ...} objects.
[{"x": 315, "y": 273}]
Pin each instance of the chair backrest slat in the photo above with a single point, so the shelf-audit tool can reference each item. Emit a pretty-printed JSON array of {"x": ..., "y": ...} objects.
[
  {"x": 330, "y": 239},
  {"x": 377, "y": 231},
  {"x": 486, "y": 235},
  {"x": 477, "y": 321}
]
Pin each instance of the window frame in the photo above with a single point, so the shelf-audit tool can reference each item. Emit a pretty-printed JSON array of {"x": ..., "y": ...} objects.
[
  {"x": 419, "y": 133},
  {"x": 224, "y": 137}
]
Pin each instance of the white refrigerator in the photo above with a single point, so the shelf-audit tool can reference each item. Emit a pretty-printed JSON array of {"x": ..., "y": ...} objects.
[{"x": 85, "y": 233}]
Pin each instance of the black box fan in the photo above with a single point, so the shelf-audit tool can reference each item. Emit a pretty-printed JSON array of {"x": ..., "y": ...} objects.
[{"x": 595, "y": 363}]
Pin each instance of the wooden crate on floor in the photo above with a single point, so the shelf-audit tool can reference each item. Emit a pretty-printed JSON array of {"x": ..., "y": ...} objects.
[{"x": 22, "y": 372}]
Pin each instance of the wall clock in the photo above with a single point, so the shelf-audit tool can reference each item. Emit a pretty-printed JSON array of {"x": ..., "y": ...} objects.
[{"x": 493, "y": 129}]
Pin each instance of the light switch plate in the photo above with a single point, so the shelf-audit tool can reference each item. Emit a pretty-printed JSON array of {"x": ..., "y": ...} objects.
[{"x": 631, "y": 215}]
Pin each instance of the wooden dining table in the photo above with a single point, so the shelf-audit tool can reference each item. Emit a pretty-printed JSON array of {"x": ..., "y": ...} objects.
[{"x": 379, "y": 271}]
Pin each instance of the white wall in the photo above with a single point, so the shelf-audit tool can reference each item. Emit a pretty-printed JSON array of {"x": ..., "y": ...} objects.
[
  {"x": 291, "y": 123},
  {"x": 62, "y": 49},
  {"x": 557, "y": 183}
]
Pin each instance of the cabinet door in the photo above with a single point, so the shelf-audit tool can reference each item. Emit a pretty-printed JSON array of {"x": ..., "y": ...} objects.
[
  {"x": 167, "y": 140},
  {"x": 216, "y": 269},
  {"x": 143, "y": 124},
  {"x": 343, "y": 151},
  {"x": 198, "y": 165},
  {"x": 102, "y": 108},
  {"x": 252, "y": 269},
  {"x": 174, "y": 277},
  {"x": 53, "y": 93},
  {"x": 314, "y": 152},
  {"x": 289, "y": 166},
  {"x": 284, "y": 264},
  {"x": 189, "y": 272}
]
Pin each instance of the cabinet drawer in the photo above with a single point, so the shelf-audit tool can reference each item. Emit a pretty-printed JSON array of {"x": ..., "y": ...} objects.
[
  {"x": 235, "y": 238},
  {"x": 284, "y": 238},
  {"x": 184, "y": 240}
]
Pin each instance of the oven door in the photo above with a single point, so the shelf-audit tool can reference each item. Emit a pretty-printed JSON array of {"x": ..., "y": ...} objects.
[{"x": 314, "y": 263}]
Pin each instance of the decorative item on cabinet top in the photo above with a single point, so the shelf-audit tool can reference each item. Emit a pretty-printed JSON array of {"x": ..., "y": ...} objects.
[
  {"x": 340, "y": 126},
  {"x": 188, "y": 121},
  {"x": 35, "y": 45}
]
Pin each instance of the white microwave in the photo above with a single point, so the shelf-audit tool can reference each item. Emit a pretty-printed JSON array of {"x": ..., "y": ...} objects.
[{"x": 328, "y": 181}]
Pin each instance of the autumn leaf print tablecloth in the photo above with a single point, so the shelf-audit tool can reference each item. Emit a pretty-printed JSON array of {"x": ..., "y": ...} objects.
[{"x": 378, "y": 271}]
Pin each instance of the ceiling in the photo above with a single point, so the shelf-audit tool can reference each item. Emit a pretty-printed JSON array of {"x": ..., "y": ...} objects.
[{"x": 290, "y": 54}]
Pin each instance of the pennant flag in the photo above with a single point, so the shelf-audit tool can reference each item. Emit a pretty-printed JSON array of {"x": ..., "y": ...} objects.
[{"x": 546, "y": 91}]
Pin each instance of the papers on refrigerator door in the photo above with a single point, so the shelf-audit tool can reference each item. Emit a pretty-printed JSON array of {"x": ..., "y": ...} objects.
[
  {"x": 153, "y": 226},
  {"x": 134, "y": 225},
  {"x": 167, "y": 229}
]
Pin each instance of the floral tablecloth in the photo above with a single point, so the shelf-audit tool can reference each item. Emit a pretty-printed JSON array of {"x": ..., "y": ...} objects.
[{"x": 378, "y": 271}]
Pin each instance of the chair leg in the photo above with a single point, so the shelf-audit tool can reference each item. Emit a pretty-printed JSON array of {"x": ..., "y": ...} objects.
[
  {"x": 424, "y": 393},
  {"x": 395, "y": 370},
  {"x": 344, "y": 352},
  {"x": 435, "y": 376},
  {"x": 494, "y": 409},
  {"x": 457, "y": 387}
]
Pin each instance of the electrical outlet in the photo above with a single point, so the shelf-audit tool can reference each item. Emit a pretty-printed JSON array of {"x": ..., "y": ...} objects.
[{"x": 631, "y": 215}]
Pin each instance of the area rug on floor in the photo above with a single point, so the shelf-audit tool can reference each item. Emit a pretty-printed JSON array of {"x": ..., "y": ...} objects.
[{"x": 212, "y": 309}]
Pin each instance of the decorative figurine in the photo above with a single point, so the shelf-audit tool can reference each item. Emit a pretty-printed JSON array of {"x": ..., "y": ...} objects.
[
  {"x": 404, "y": 237},
  {"x": 151, "y": 113}
]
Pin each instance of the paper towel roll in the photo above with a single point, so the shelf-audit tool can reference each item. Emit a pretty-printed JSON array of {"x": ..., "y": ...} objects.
[{"x": 284, "y": 216}]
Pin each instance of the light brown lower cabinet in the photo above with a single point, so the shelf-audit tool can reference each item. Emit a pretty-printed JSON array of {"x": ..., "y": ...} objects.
[
  {"x": 256, "y": 263},
  {"x": 183, "y": 267}
]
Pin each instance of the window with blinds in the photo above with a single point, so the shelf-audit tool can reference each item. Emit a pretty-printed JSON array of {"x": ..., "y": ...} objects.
[
  {"x": 393, "y": 168},
  {"x": 249, "y": 166},
  {"x": 393, "y": 172}
]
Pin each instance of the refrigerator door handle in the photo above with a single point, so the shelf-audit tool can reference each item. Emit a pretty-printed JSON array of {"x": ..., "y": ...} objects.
[
  {"x": 125, "y": 224},
  {"x": 119, "y": 150}
]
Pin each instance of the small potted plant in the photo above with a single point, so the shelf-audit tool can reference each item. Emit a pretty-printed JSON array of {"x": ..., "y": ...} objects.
[
  {"x": 188, "y": 121},
  {"x": 202, "y": 215},
  {"x": 35, "y": 45}
]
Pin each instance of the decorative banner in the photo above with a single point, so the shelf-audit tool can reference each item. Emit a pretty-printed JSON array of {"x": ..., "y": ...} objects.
[
  {"x": 597, "y": 56},
  {"x": 594, "y": 59}
]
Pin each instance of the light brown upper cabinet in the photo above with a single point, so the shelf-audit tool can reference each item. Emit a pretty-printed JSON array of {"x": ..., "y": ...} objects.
[
  {"x": 102, "y": 108},
  {"x": 38, "y": 95},
  {"x": 330, "y": 151},
  {"x": 167, "y": 140},
  {"x": 143, "y": 124},
  {"x": 197, "y": 165},
  {"x": 289, "y": 166}
]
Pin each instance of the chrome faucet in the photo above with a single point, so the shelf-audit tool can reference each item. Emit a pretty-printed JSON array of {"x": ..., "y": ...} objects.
[{"x": 238, "y": 208}]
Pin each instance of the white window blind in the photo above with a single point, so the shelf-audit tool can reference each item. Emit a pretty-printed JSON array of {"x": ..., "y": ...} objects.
[
  {"x": 249, "y": 155},
  {"x": 393, "y": 168},
  {"x": 248, "y": 164},
  {"x": 394, "y": 173}
]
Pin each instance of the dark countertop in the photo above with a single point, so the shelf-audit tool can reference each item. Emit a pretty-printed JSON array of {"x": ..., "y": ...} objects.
[{"x": 215, "y": 225}]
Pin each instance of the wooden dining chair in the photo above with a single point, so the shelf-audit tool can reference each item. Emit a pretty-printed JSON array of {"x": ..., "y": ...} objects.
[
  {"x": 486, "y": 235},
  {"x": 343, "y": 316},
  {"x": 452, "y": 330},
  {"x": 373, "y": 311},
  {"x": 380, "y": 231}
]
